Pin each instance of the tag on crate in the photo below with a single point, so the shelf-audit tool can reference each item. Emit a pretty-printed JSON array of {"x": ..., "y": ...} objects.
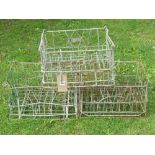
[
  {"x": 75, "y": 40},
  {"x": 62, "y": 83}
]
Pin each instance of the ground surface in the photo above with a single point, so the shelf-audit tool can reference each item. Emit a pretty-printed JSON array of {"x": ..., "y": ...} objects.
[{"x": 134, "y": 39}]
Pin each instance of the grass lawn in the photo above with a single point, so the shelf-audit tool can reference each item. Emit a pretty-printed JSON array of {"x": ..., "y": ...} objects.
[{"x": 134, "y": 40}]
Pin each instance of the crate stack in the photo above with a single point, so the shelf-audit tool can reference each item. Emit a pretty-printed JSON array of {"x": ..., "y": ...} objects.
[{"x": 77, "y": 77}]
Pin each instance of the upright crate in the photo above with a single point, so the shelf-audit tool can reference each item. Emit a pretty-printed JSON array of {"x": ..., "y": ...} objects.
[{"x": 82, "y": 57}]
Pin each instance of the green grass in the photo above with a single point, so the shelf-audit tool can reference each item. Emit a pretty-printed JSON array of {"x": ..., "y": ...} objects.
[{"x": 134, "y": 39}]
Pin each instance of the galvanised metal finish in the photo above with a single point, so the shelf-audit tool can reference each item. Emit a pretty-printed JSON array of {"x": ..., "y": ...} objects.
[
  {"x": 128, "y": 97},
  {"x": 41, "y": 102},
  {"x": 86, "y": 56},
  {"x": 77, "y": 77}
]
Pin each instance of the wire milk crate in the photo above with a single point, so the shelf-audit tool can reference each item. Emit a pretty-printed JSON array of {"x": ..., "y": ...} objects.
[
  {"x": 82, "y": 58},
  {"x": 128, "y": 97},
  {"x": 29, "y": 98}
]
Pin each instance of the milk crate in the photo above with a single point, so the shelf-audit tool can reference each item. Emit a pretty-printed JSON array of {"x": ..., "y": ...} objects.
[
  {"x": 128, "y": 97},
  {"x": 79, "y": 58}
]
